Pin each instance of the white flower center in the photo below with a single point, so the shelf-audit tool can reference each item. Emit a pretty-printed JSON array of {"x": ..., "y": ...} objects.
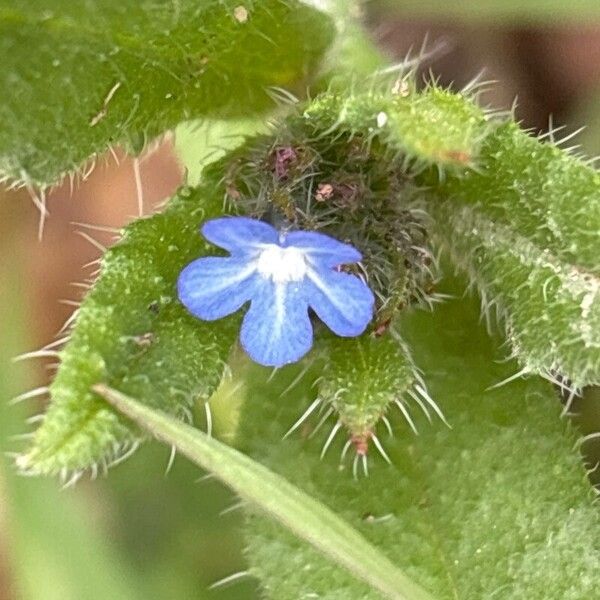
[{"x": 282, "y": 264}]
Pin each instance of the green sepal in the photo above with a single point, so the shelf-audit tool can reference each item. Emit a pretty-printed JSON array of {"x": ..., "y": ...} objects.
[
  {"x": 433, "y": 126},
  {"x": 364, "y": 379}
]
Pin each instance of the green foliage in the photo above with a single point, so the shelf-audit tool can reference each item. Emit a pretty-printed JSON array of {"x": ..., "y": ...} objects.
[
  {"x": 341, "y": 167},
  {"x": 80, "y": 77},
  {"x": 432, "y": 126},
  {"x": 538, "y": 190},
  {"x": 165, "y": 518},
  {"x": 145, "y": 344},
  {"x": 301, "y": 514},
  {"x": 136, "y": 534},
  {"x": 354, "y": 54},
  {"x": 56, "y": 552},
  {"x": 497, "y": 505},
  {"x": 524, "y": 226},
  {"x": 551, "y": 310},
  {"x": 438, "y": 126}
]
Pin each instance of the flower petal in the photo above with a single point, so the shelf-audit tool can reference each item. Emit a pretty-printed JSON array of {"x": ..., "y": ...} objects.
[
  {"x": 277, "y": 329},
  {"x": 239, "y": 234},
  {"x": 322, "y": 249},
  {"x": 342, "y": 301},
  {"x": 214, "y": 287}
]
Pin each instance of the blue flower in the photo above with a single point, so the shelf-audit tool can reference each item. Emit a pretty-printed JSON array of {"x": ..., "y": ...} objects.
[{"x": 282, "y": 275}]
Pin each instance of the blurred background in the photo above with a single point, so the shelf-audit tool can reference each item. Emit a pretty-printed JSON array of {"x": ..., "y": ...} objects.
[{"x": 156, "y": 535}]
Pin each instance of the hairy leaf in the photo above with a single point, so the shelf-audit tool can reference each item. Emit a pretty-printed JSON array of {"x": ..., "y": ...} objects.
[
  {"x": 132, "y": 333},
  {"x": 551, "y": 309},
  {"x": 302, "y": 515},
  {"x": 78, "y": 77},
  {"x": 497, "y": 505},
  {"x": 525, "y": 227},
  {"x": 540, "y": 191},
  {"x": 438, "y": 126}
]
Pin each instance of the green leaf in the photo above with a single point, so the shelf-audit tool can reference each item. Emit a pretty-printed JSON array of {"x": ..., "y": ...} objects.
[
  {"x": 132, "y": 333},
  {"x": 55, "y": 550},
  {"x": 438, "y": 126},
  {"x": 354, "y": 54},
  {"x": 305, "y": 517},
  {"x": 497, "y": 505},
  {"x": 550, "y": 309},
  {"x": 524, "y": 227},
  {"x": 124, "y": 71},
  {"x": 538, "y": 190},
  {"x": 168, "y": 524}
]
